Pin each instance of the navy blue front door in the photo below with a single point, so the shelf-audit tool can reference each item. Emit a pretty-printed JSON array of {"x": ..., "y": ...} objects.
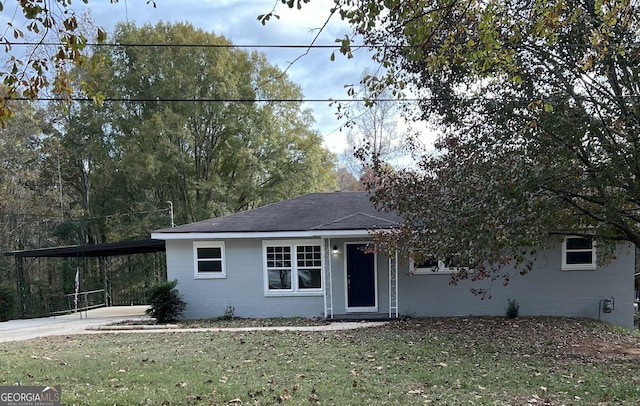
[{"x": 361, "y": 282}]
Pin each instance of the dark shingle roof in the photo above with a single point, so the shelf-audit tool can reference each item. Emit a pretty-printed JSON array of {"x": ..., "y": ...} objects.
[{"x": 312, "y": 212}]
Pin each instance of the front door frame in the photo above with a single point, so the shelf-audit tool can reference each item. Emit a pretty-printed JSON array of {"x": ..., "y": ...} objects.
[{"x": 360, "y": 309}]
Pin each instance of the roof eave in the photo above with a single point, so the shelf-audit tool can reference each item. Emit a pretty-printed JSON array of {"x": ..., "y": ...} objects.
[{"x": 260, "y": 234}]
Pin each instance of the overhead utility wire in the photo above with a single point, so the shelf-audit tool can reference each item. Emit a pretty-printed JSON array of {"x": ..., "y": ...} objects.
[
  {"x": 161, "y": 100},
  {"x": 328, "y": 100},
  {"x": 46, "y": 219},
  {"x": 133, "y": 45},
  {"x": 285, "y": 46}
]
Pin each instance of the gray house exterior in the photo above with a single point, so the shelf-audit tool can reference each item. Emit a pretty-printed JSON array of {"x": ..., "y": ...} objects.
[{"x": 306, "y": 257}]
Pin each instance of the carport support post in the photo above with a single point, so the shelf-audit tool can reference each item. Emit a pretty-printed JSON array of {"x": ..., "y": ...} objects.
[
  {"x": 21, "y": 286},
  {"x": 104, "y": 266},
  {"x": 76, "y": 286}
]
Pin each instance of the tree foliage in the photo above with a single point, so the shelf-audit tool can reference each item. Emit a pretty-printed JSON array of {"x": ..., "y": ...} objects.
[
  {"x": 210, "y": 147},
  {"x": 98, "y": 174},
  {"x": 42, "y": 67},
  {"x": 539, "y": 106},
  {"x": 371, "y": 129}
]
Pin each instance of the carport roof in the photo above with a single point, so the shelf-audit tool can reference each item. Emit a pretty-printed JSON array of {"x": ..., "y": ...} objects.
[{"x": 94, "y": 250}]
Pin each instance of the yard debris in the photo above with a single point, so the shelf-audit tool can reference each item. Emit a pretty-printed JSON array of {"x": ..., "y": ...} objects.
[{"x": 560, "y": 337}]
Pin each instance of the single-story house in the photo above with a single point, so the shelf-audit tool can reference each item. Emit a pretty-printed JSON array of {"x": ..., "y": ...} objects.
[{"x": 305, "y": 257}]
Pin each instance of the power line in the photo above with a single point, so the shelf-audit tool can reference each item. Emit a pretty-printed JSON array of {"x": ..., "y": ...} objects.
[
  {"x": 207, "y": 100},
  {"x": 283, "y": 46},
  {"x": 139, "y": 45},
  {"x": 320, "y": 100},
  {"x": 45, "y": 218}
]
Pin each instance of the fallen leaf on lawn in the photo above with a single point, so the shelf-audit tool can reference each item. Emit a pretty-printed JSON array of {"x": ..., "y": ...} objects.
[
  {"x": 285, "y": 396},
  {"x": 224, "y": 379},
  {"x": 415, "y": 392},
  {"x": 442, "y": 364},
  {"x": 234, "y": 401}
]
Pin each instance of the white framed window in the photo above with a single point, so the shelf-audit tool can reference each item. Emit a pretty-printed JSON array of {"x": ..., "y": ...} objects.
[
  {"x": 578, "y": 254},
  {"x": 436, "y": 266},
  {"x": 292, "y": 267},
  {"x": 208, "y": 260}
]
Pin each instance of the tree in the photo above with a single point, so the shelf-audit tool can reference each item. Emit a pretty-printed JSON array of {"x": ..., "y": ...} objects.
[
  {"x": 347, "y": 182},
  {"x": 26, "y": 207},
  {"x": 211, "y": 148},
  {"x": 371, "y": 130},
  {"x": 25, "y": 199},
  {"x": 539, "y": 107}
]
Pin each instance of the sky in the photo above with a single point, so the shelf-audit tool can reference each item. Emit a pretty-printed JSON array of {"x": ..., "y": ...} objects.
[{"x": 319, "y": 77}]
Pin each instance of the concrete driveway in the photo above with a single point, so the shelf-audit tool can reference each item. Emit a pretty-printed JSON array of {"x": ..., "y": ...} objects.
[
  {"x": 96, "y": 321},
  {"x": 78, "y": 323}
]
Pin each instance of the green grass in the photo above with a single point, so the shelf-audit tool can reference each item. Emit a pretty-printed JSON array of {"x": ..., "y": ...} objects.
[{"x": 436, "y": 361}]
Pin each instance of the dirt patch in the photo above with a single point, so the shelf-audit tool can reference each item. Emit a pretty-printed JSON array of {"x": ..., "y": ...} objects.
[
  {"x": 558, "y": 337},
  {"x": 609, "y": 351}
]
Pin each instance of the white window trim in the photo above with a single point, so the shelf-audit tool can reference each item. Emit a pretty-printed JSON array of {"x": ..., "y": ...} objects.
[
  {"x": 578, "y": 267},
  {"x": 209, "y": 275},
  {"x": 295, "y": 290}
]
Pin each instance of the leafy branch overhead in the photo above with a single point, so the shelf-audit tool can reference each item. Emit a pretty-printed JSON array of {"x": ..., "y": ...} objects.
[
  {"x": 42, "y": 68},
  {"x": 538, "y": 110}
]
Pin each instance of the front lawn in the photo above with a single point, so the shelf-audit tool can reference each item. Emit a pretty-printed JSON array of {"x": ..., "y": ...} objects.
[{"x": 438, "y": 361}]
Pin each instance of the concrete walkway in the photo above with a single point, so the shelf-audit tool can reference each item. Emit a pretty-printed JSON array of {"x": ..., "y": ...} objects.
[
  {"x": 77, "y": 323},
  {"x": 97, "y": 321}
]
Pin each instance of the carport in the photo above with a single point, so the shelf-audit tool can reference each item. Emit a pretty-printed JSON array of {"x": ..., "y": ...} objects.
[{"x": 82, "y": 253}]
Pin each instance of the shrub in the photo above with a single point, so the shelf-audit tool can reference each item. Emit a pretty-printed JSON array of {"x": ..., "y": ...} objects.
[
  {"x": 229, "y": 313},
  {"x": 7, "y": 302},
  {"x": 513, "y": 308},
  {"x": 166, "y": 302}
]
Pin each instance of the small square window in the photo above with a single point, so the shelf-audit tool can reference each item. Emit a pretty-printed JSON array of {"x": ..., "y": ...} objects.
[
  {"x": 209, "y": 260},
  {"x": 578, "y": 253}
]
